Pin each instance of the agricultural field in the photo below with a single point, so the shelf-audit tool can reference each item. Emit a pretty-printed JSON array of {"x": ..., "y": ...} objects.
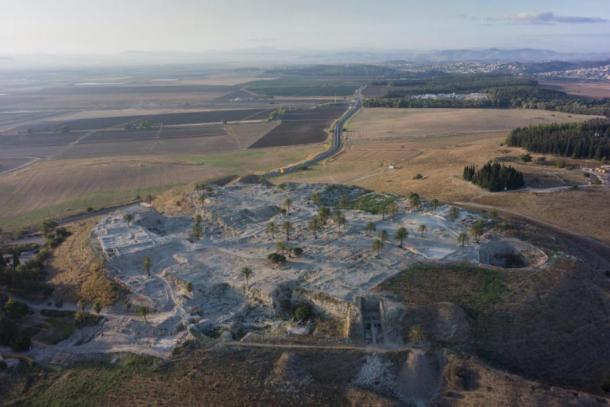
[
  {"x": 386, "y": 149},
  {"x": 302, "y": 126},
  {"x": 63, "y": 187},
  {"x": 303, "y": 87},
  {"x": 166, "y": 119},
  {"x": 72, "y": 143}
]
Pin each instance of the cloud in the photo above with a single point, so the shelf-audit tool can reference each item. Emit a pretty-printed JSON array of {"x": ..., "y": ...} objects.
[{"x": 548, "y": 17}]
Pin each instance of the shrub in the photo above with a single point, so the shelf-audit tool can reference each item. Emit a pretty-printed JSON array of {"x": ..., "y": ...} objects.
[
  {"x": 297, "y": 252},
  {"x": 15, "y": 309},
  {"x": 302, "y": 312},
  {"x": 20, "y": 343},
  {"x": 83, "y": 319},
  {"x": 277, "y": 258},
  {"x": 416, "y": 334}
]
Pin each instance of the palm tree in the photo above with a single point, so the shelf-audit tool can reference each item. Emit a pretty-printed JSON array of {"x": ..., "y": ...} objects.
[
  {"x": 246, "y": 273},
  {"x": 422, "y": 229},
  {"x": 147, "y": 265},
  {"x": 314, "y": 226},
  {"x": 416, "y": 334},
  {"x": 377, "y": 246},
  {"x": 143, "y": 312},
  {"x": 341, "y": 221},
  {"x": 454, "y": 213},
  {"x": 477, "y": 229},
  {"x": 402, "y": 234},
  {"x": 323, "y": 215},
  {"x": 197, "y": 231},
  {"x": 462, "y": 239},
  {"x": 415, "y": 200},
  {"x": 383, "y": 235},
  {"x": 271, "y": 229},
  {"x": 287, "y": 226},
  {"x": 128, "y": 217},
  {"x": 97, "y": 307},
  {"x": 370, "y": 227},
  {"x": 281, "y": 247},
  {"x": 287, "y": 204}
]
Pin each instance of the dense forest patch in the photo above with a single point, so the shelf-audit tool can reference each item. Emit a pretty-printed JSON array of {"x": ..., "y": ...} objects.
[{"x": 578, "y": 140}]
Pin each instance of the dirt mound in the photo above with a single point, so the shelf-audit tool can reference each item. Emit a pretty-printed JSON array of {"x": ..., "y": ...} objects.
[
  {"x": 288, "y": 371},
  {"x": 443, "y": 323},
  {"x": 377, "y": 374},
  {"x": 469, "y": 382},
  {"x": 176, "y": 201},
  {"x": 420, "y": 376}
]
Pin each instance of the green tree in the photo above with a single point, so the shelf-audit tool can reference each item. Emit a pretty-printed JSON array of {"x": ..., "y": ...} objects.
[
  {"x": 370, "y": 227},
  {"x": 128, "y": 217},
  {"x": 341, "y": 221},
  {"x": 323, "y": 215},
  {"x": 377, "y": 246},
  {"x": 435, "y": 204},
  {"x": 197, "y": 231},
  {"x": 147, "y": 265},
  {"x": 48, "y": 226},
  {"x": 422, "y": 229},
  {"x": 401, "y": 235},
  {"x": 281, "y": 247},
  {"x": 271, "y": 229},
  {"x": 143, "y": 312},
  {"x": 246, "y": 273},
  {"x": 414, "y": 200},
  {"x": 463, "y": 239},
  {"x": 416, "y": 334},
  {"x": 314, "y": 226},
  {"x": 316, "y": 198},
  {"x": 287, "y": 204},
  {"x": 477, "y": 229},
  {"x": 383, "y": 235},
  {"x": 287, "y": 226},
  {"x": 454, "y": 213},
  {"x": 97, "y": 307}
]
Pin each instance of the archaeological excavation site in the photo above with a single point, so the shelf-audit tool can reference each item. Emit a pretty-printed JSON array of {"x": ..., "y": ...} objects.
[{"x": 418, "y": 300}]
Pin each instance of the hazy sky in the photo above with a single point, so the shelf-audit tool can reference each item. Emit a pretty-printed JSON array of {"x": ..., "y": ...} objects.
[{"x": 109, "y": 26}]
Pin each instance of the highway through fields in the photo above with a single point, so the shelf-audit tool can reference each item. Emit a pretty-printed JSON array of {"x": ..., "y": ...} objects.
[{"x": 335, "y": 145}]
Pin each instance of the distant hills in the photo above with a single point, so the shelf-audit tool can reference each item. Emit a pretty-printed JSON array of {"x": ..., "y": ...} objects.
[{"x": 271, "y": 57}]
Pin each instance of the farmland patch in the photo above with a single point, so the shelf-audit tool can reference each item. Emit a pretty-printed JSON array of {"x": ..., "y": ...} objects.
[{"x": 303, "y": 126}]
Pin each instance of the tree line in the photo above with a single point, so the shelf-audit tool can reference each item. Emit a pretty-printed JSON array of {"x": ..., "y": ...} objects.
[
  {"x": 590, "y": 139},
  {"x": 494, "y": 177},
  {"x": 502, "y": 92}
]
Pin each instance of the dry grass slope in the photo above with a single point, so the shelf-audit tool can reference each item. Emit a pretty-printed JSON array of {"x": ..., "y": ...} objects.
[{"x": 78, "y": 273}]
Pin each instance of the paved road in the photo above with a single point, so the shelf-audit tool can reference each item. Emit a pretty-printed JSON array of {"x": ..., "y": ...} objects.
[{"x": 334, "y": 148}]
